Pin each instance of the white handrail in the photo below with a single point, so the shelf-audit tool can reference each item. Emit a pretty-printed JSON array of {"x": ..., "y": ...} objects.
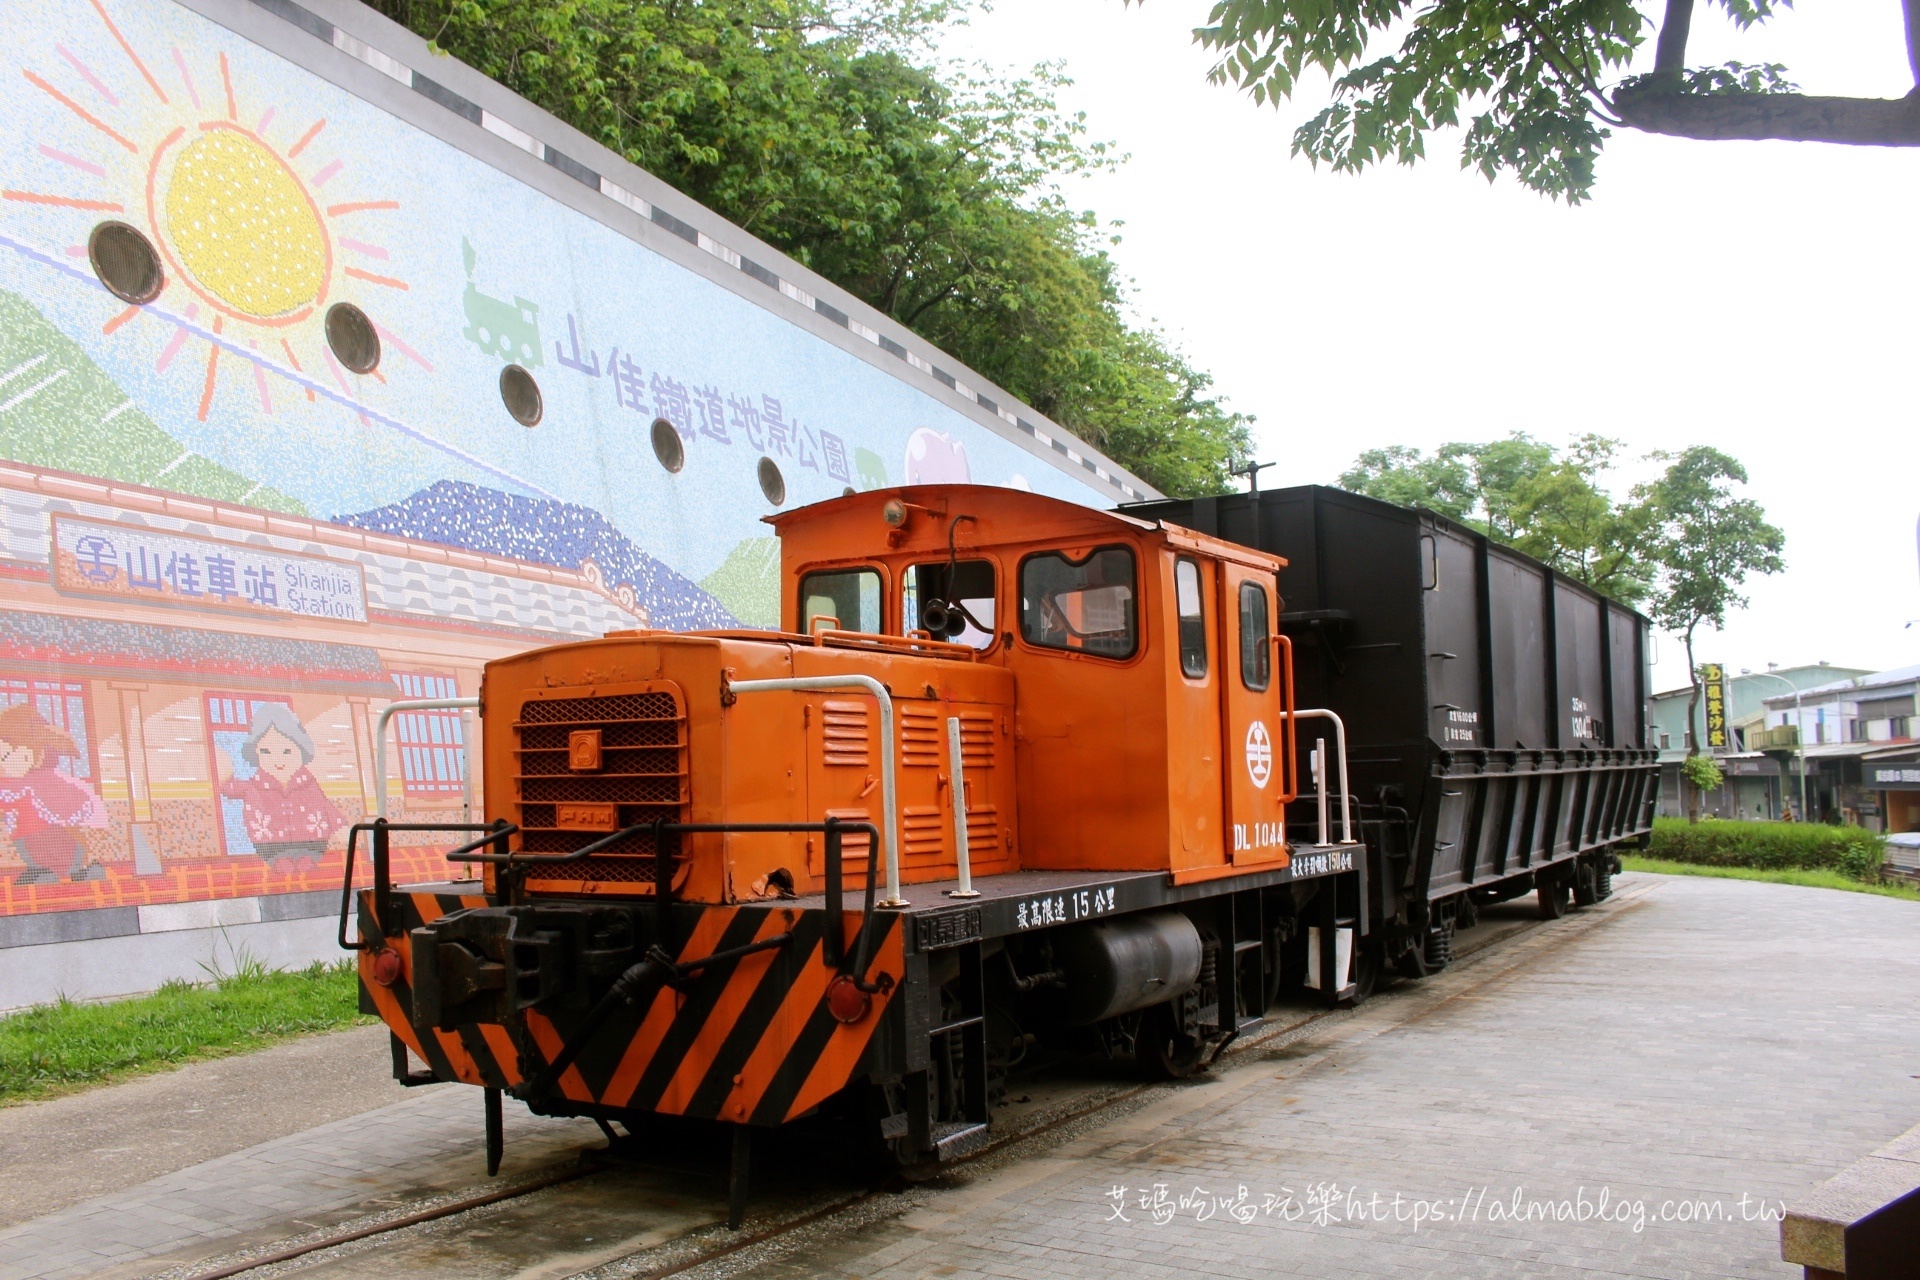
[
  {"x": 1320, "y": 785},
  {"x": 890, "y": 828},
  {"x": 380, "y": 738},
  {"x": 962, "y": 853},
  {"x": 1340, "y": 745}
]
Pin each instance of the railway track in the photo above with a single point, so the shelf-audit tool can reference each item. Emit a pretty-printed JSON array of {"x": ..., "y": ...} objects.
[{"x": 421, "y": 1236}]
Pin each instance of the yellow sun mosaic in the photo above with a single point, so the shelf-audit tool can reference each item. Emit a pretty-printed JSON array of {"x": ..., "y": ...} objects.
[{"x": 243, "y": 227}]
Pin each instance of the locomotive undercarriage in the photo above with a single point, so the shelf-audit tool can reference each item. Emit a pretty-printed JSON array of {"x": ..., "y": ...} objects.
[{"x": 982, "y": 1001}]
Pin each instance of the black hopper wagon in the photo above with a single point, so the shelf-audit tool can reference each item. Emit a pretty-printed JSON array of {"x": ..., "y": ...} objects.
[{"x": 1494, "y": 714}]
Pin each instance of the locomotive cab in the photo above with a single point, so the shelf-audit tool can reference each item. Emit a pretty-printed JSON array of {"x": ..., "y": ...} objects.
[{"x": 1147, "y": 732}]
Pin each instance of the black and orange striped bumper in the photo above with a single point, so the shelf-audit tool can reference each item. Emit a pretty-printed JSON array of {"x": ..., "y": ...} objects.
[{"x": 751, "y": 1040}]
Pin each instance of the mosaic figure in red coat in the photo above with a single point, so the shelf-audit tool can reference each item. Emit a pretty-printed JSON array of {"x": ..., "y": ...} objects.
[
  {"x": 46, "y": 812},
  {"x": 287, "y": 817}
]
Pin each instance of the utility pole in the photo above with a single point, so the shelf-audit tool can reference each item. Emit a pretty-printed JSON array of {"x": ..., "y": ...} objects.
[{"x": 1799, "y": 731}]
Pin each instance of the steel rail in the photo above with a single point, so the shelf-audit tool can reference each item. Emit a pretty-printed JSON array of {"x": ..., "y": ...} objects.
[{"x": 396, "y": 1224}]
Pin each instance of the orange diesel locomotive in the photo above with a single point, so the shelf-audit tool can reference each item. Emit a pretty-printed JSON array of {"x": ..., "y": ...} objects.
[{"x": 1015, "y": 775}]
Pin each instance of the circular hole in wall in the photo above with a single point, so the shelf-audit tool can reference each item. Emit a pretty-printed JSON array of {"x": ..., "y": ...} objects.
[
  {"x": 521, "y": 394},
  {"x": 352, "y": 338},
  {"x": 667, "y": 445},
  {"x": 772, "y": 483},
  {"x": 125, "y": 262}
]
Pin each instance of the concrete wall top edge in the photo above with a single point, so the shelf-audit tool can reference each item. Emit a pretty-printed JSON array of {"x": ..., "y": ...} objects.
[{"x": 537, "y": 148}]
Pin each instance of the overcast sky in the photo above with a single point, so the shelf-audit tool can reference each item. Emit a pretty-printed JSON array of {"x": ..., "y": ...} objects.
[{"x": 1759, "y": 297}]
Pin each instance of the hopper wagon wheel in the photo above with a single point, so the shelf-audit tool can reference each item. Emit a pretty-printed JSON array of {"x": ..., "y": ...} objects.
[
  {"x": 1411, "y": 962},
  {"x": 1165, "y": 1050},
  {"x": 1586, "y": 882},
  {"x": 1553, "y": 893}
]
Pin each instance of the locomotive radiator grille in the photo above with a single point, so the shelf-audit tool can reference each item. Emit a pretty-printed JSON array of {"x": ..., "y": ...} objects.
[{"x": 637, "y": 773}]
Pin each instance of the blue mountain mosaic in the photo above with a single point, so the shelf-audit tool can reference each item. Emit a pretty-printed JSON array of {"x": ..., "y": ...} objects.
[{"x": 542, "y": 531}]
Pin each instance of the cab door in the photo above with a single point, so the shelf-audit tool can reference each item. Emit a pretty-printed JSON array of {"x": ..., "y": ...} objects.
[{"x": 1253, "y": 756}]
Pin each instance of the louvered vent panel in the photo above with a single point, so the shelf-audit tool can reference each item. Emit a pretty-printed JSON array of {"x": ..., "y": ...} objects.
[
  {"x": 983, "y": 831},
  {"x": 843, "y": 734},
  {"x": 977, "y": 739},
  {"x": 643, "y": 777},
  {"x": 923, "y": 737},
  {"x": 854, "y": 843},
  {"x": 921, "y": 831}
]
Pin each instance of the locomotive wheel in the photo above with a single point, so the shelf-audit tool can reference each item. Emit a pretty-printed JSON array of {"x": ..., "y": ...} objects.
[
  {"x": 1366, "y": 975},
  {"x": 1553, "y": 895},
  {"x": 1165, "y": 1051}
]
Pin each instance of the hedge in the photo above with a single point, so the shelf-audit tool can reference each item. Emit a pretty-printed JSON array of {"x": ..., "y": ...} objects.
[{"x": 1769, "y": 846}]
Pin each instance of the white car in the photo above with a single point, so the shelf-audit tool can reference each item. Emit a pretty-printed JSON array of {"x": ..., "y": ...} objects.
[{"x": 1903, "y": 853}]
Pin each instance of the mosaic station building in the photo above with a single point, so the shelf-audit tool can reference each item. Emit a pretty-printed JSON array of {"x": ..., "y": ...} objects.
[{"x": 329, "y": 371}]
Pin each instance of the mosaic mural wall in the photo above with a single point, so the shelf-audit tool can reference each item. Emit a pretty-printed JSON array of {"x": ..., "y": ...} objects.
[{"x": 303, "y": 411}]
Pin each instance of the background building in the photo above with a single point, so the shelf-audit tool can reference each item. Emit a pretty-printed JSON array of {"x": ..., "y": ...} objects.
[
  {"x": 1851, "y": 730},
  {"x": 1757, "y": 784},
  {"x": 1858, "y": 738}
]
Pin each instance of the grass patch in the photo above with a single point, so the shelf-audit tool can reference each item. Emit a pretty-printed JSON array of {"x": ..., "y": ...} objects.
[
  {"x": 1769, "y": 846},
  {"x": 60, "y": 1048},
  {"x": 1811, "y": 879}
]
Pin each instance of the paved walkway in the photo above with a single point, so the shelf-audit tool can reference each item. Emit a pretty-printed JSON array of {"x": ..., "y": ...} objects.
[
  {"x": 1636, "y": 1102},
  {"x": 1690, "y": 1044},
  {"x": 55, "y": 1154},
  {"x": 388, "y": 1147}
]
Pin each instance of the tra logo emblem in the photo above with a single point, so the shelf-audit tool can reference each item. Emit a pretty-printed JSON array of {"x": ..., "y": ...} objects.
[
  {"x": 1259, "y": 753},
  {"x": 583, "y": 750}
]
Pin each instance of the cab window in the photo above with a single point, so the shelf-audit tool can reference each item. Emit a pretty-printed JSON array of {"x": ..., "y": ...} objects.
[
  {"x": 1193, "y": 618},
  {"x": 950, "y": 602},
  {"x": 1087, "y": 605},
  {"x": 1255, "y": 642},
  {"x": 849, "y": 597}
]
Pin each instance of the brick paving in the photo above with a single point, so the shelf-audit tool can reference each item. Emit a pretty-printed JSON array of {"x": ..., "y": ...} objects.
[{"x": 1708, "y": 1040}]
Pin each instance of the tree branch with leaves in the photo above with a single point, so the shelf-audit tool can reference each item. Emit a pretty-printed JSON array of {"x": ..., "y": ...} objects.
[{"x": 1538, "y": 84}]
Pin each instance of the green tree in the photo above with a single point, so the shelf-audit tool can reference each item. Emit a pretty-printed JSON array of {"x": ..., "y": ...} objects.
[
  {"x": 1705, "y": 541},
  {"x": 1517, "y": 490},
  {"x": 1402, "y": 474},
  {"x": 1539, "y": 84},
  {"x": 933, "y": 195},
  {"x": 1703, "y": 773},
  {"x": 1562, "y": 514}
]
